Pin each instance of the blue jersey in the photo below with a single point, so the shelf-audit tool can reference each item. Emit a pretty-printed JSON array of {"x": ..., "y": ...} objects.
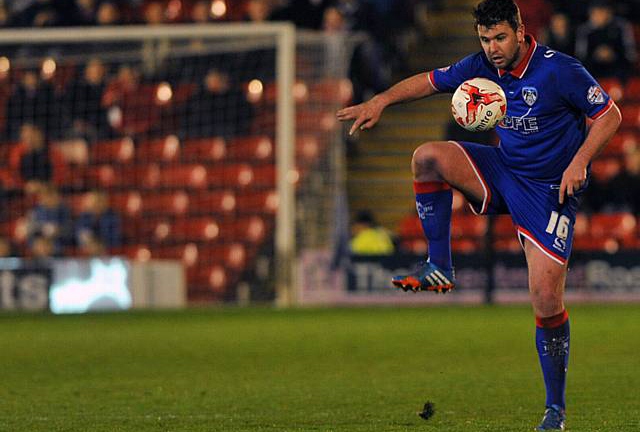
[{"x": 549, "y": 96}]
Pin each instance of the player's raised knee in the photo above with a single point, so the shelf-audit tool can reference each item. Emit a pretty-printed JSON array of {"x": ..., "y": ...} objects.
[{"x": 428, "y": 158}]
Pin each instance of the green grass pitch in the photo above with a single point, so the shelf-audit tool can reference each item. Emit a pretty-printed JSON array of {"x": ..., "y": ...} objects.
[{"x": 368, "y": 369}]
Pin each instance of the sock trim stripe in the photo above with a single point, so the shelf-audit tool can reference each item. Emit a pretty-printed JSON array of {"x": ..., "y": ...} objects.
[
  {"x": 430, "y": 187},
  {"x": 552, "y": 321}
]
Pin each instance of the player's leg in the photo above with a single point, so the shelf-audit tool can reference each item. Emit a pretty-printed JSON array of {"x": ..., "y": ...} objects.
[
  {"x": 546, "y": 286},
  {"x": 437, "y": 167}
]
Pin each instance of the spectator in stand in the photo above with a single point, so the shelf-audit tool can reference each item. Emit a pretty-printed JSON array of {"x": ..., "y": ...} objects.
[
  {"x": 34, "y": 161},
  {"x": 50, "y": 218},
  {"x": 305, "y": 14},
  {"x": 6, "y": 248},
  {"x": 559, "y": 35},
  {"x": 85, "y": 12},
  {"x": 624, "y": 189},
  {"x": 368, "y": 238},
  {"x": 258, "y": 10},
  {"x": 84, "y": 103},
  {"x": 32, "y": 99},
  {"x": 108, "y": 14},
  {"x": 365, "y": 72},
  {"x": 98, "y": 227},
  {"x": 218, "y": 108},
  {"x": 42, "y": 248},
  {"x": 605, "y": 44}
]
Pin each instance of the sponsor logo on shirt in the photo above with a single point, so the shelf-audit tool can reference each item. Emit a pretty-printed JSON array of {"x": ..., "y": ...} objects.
[{"x": 595, "y": 96}]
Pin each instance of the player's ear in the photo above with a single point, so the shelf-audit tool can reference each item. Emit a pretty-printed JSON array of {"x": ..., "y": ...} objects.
[{"x": 520, "y": 32}]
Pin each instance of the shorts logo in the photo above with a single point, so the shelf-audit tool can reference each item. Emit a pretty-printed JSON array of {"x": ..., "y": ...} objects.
[
  {"x": 595, "y": 96},
  {"x": 530, "y": 95},
  {"x": 444, "y": 69},
  {"x": 549, "y": 53}
]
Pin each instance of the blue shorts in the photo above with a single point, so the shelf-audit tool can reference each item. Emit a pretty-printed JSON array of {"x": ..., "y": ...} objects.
[{"x": 532, "y": 204}]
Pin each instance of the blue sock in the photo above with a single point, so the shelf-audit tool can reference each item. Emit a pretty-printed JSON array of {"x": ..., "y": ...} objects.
[
  {"x": 552, "y": 342},
  {"x": 433, "y": 201}
]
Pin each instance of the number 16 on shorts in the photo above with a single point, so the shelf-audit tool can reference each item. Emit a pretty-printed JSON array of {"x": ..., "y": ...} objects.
[{"x": 560, "y": 225}]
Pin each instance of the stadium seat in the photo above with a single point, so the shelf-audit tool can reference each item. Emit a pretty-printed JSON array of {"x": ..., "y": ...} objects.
[
  {"x": 595, "y": 244},
  {"x": 507, "y": 245},
  {"x": 204, "y": 149},
  {"x": 130, "y": 176},
  {"x": 468, "y": 226},
  {"x": 230, "y": 176},
  {"x": 416, "y": 246},
  {"x": 465, "y": 245},
  {"x": 15, "y": 229},
  {"x": 632, "y": 89},
  {"x": 325, "y": 91},
  {"x": 630, "y": 115},
  {"x": 214, "y": 277},
  {"x": 115, "y": 151},
  {"x": 184, "y": 176},
  {"x": 604, "y": 169},
  {"x": 620, "y": 144},
  {"x": 410, "y": 228},
  {"x": 164, "y": 149},
  {"x": 308, "y": 149},
  {"x": 613, "y": 87},
  {"x": 218, "y": 201},
  {"x": 194, "y": 229},
  {"x": 166, "y": 203},
  {"x": 255, "y": 201},
  {"x": 250, "y": 149},
  {"x": 614, "y": 225},
  {"x": 264, "y": 175},
  {"x": 252, "y": 229},
  {"x": 503, "y": 227}
]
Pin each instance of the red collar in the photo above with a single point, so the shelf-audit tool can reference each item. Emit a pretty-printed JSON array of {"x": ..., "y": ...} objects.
[{"x": 519, "y": 71}]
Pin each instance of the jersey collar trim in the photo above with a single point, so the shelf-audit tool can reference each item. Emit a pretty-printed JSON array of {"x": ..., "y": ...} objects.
[{"x": 519, "y": 71}]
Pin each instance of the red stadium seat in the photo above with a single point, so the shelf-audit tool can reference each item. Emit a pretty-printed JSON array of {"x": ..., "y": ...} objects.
[
  {"x": 632, "y": 89},
  {"x": 264, "y": 175},
  {"x": 252, "y": 229},
  {"x": 15, "y": 229},
  {"x": 332, "y": 91},
  {"x": 468, "y": 226},
  {"x": 614, "y": 225},
  {"x": 308, "y": 149},
  {"x": 595, "y": 244},
  {"x": 465, "y": 245},
  {"x": 184, "y": 176},
  {"x": 604, "y": 169},
  {"x": 416, "y": 246},
  {"x": 132, "y": 176},
  {"x": 258, "y": 201},
  {"x": 251, "y": 149},
  {"x": 215, "y": 277},
  {"x": 194, "y": 229},
  {"x": 630, "y": 115},
  {"x": 507, "y": 245},
  {"x": 230, "y": 175},
  {"x": 410, "y": 228},
  {"x": 613, "y": 87},
  {"x": 116, "y": 151},
  {"x": 503, "y": 226},
  {"x": 166, "y": 203},
  {"x": 621, "y": 143},
  {"x": 204, "y": 150},
  {"x": 219, "y": 201},
  {"x": 164, "y": 149}
]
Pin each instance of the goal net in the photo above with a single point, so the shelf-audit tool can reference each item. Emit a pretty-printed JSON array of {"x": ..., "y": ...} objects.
[{"x": 216, "y": 146}]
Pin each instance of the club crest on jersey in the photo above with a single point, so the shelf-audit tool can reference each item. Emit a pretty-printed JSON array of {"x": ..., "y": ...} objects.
[
  {"x": 530, "y": 95},
  {"x": 595, "y": 95}
]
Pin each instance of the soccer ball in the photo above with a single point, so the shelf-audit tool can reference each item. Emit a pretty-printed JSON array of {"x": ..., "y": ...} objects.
[{"x": 478, "y": 104}]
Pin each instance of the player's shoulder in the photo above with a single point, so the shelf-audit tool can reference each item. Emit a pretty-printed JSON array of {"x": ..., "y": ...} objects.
[{"x": 552, "y": 58}]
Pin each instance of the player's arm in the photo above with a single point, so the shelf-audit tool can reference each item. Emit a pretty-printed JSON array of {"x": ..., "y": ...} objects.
[
  {"x": 367, "y": 114},
  {"x": 601, "y": 131}
]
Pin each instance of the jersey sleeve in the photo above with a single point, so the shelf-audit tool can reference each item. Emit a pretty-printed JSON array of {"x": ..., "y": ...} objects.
[
  {"x": 447, "y": 79},
  {"x": 582, "y": 91}
]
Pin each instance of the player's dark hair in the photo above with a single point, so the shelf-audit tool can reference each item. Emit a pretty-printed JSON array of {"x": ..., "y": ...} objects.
[{"x": 488, "y": 13}]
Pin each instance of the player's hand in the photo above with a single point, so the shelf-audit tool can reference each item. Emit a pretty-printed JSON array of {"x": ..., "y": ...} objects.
[
  {"x": 366, "y": 114},
  {"x": 573, "y": 178}
]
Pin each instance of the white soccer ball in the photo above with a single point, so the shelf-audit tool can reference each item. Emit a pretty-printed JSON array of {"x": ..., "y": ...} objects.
[{"x": 478, "y": 104}]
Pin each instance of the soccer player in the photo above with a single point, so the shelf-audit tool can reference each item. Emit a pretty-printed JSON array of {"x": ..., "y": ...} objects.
[{"x": 536, "y": 174}]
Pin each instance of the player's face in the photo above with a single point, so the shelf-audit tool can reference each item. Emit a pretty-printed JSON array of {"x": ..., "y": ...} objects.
[{"x": 502, "y": 45}]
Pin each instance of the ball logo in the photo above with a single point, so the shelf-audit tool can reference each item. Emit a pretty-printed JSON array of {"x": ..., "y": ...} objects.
[{"x": 478, "y": 104}]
